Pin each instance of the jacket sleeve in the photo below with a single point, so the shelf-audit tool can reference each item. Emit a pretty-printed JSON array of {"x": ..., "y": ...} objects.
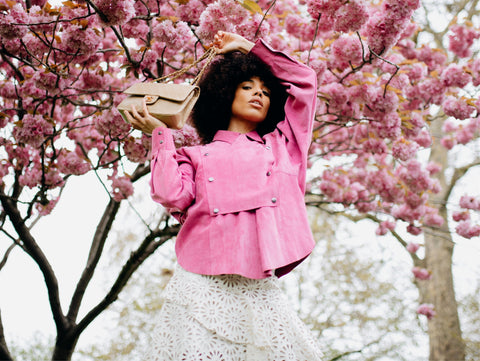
[
  {"x": 172, "y": 182},
  {"x": 301, "y": 85}
]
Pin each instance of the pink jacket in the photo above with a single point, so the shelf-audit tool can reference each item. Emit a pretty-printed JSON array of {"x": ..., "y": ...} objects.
[{"x": 240, "y": 198}]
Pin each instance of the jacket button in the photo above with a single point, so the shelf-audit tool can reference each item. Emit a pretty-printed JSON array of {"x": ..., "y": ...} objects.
[
  {"x": 269, "y": 174},
  {"x": 210, "y": 179},
  {"x": 267, "y": 147},
  {"x": 160, "y": 132},
  {"x": 205, "y": 154},
  {"x": 216, "y": 210},
  {"x": 274, "y": 200},
  {"x": 161, "y": 142}
]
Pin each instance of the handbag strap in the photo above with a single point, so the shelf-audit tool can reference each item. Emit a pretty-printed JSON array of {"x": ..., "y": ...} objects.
[{"x": 209, "y": 55}]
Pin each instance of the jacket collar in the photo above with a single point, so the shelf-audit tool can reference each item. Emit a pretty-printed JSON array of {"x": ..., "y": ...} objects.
[{"x": 230, "y": 137}]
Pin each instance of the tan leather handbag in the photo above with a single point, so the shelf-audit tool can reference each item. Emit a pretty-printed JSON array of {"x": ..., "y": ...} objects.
[{"x": 169, "y": 102}]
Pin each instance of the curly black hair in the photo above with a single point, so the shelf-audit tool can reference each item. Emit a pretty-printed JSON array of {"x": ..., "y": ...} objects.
[{"x": 213, "y": 110}]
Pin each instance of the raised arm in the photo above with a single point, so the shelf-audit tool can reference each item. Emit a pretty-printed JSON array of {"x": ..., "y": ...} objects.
[{"x": 301, "y": 85}]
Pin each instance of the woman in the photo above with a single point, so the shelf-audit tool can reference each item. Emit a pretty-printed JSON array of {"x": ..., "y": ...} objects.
[{"x": 240, "y": 199}]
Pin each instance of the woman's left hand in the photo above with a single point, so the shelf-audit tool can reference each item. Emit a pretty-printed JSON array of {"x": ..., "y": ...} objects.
[
  {"x": 143, "y": 121},
  {"x": 228, "y": 42}
]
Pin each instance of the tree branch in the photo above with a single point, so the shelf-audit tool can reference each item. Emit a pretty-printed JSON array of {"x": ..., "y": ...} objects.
[
  {"x": 4, "y": 352},
  {"x": 96, "y": 249},
  {"x": 457, "y": 175},
  {"x": 33, "y": 250},
  {"x": 137, "y": 257}
]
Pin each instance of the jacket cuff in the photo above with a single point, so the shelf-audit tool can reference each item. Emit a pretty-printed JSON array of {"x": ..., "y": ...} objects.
[{"x": 162, "y": 139}]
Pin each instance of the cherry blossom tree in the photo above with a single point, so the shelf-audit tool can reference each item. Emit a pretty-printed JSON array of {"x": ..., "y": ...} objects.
[{"x": 397, "y": 103}]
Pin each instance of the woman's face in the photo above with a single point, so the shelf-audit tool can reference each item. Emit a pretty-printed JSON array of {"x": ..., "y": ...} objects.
[{"x": 251, "y": 103}]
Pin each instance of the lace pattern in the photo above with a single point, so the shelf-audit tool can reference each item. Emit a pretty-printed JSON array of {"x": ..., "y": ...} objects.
[{"x": 228, "y": 318}]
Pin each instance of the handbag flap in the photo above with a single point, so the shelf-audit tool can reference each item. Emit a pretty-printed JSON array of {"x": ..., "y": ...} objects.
[{"x": 175, "y": 92}]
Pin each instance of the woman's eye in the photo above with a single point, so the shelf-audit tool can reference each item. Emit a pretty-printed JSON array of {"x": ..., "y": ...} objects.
[{"x": 266, "y": 93}]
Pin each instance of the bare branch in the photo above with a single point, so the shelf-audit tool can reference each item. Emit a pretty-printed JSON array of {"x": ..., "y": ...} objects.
[
  {"x": 33, "y": 250},
  {"x": 137, "y": 257},
  {"x": 4, "y": 352}
]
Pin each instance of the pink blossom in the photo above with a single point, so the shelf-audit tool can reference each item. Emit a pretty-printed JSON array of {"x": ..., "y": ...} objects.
[
  {"x": 324, "y": 7},
  {"x": 433, "y": 168},
  {"x": 384, "y": 227},
  {"x": 421, "y": 273},
  {"x": 412, "y": 229},
  {"x": 467, "y": 230},
  {"x": 136, "y": 29},
  {"x": 345, "y": 50},
  {"x": 375, "y": 146},
  {"x": 423, "y": 138},
  {"x": 32, "y": 130},
  {"x": 434, "y": 58},
  {"x": 470, "y": 202},
  {"x": 80, "y": 41},
  {"x": 414, "y": 200},
  {"x": 135, "y": 150},
  {"x": 220, "y": 15},
  {"x": 8, "y": 27},
  {"x": 351, "y": 16},
  {"x": 71, "y": 163},
  {"x": 404, "y": 150},
  {"x": 111, "y": 124},
  {"x": 475, "y": 70},
  {"x": 458, "y": 216},
  {"x": 175, "y": 36},
  {"x": 115, "y": 12},
  {"x": 449, "y": 127},
  {"x": 433, "y": 220},
  {"x": 448, "y": 142},
  {"x": 46, "y": 209},
  {"x": 50, "y": 81},
  {"x": 464, "y": 136},
  {"x": 191, "y": 11},
  {"x": 457, "y": 108},
  {"x": 461, "y": 40},
  {"x": 185, "y": 137},
  {"x": 427, "y": 310},
  {"x": 455, "y": 76},
  {"x": 33, "y": 177},
  {"x": 412, "y": 247},
  {"x": 248, "y": 29},
  {"x": 122, "y": 187}
]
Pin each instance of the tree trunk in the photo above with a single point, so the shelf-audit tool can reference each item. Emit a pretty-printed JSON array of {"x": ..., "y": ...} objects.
[
  {"x": 445, "y": 335},
  {"x": 64, "y": 347}
]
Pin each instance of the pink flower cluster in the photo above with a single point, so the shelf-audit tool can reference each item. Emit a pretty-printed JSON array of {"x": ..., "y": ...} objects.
[
  {"x": 32, "y": 130},
  {"x": 346, "y": 50},
  {"x": 413, "y": 247},
  {"x": 185, "y": 137},
  {"x": 461, "y": 40},
  {"x": 426, "y": 309},
  {"x": 115, "y": 12},
  {"x": 71, "y": 163},
  {"x": 467, "y": 230},
  {"x": 384, "y": 227},
  {"x": 404, "y": 149},
  {"x": 122, "y": 187},
  {"x": 455, "y": 76},
  {"x": 175, "y": 36},
  {"x": 457, "y": 108},
  {"x": 345, "y": 16},
  {"x": 135, "y": 150},
  {"x": 221, "y": 15},
  {"x": 470, "y": 202},
  {"x": 8, "y": 21},
  {"x": 421, "y": 273},
  {"x": 385, "y": 27},
  {"x": 111, "y": 124}
]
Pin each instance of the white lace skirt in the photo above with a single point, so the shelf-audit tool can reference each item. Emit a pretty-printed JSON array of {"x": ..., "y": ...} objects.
[{"x": 228, "y": 318}]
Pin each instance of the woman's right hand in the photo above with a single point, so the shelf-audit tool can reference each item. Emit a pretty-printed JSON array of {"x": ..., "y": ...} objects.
[{"x": 143, "y": 121}]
